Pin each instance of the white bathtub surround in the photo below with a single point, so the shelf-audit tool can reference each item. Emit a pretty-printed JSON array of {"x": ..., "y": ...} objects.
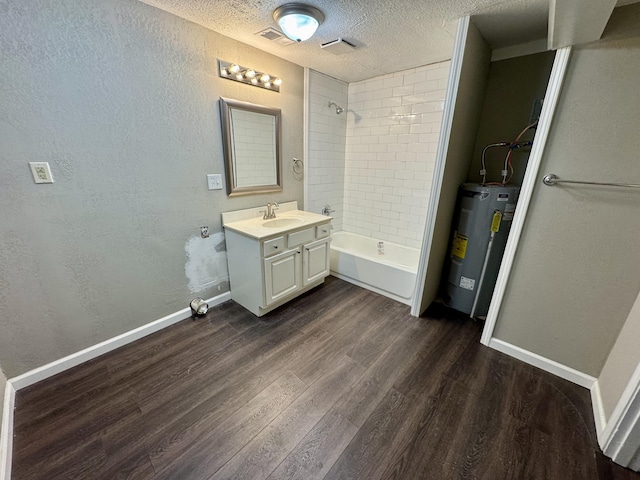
[
  {"x": 326, "y": 144},
  {"x": 393, "y": 128},
  {"x": 359, "y": 260}
]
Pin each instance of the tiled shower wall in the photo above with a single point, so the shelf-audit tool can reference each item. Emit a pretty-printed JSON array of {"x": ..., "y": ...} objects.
[
  {"x": 393, "y": 125},
  {"x": 327, "y": 136}
]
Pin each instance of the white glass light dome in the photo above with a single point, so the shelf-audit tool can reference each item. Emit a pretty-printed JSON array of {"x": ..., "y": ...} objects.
[{"x": 298, "y": 21}]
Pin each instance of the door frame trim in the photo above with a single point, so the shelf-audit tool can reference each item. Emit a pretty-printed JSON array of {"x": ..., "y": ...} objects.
[{"x": 441, "y": 156}]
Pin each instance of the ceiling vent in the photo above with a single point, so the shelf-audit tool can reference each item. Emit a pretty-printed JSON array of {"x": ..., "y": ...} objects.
[
  {"x": 338, "y": 47},
  {"x": 275, "y": 36}
]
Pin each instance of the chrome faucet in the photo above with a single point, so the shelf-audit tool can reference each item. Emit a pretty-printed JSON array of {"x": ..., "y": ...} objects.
[
  {"x": 326, "y": 210},
  {"x": 271, "y": 208}
]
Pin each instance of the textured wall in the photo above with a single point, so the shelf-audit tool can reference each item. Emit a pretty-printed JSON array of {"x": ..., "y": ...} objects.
[
  {"x": 577, "y": 270},
  {"x": 327, "y": 138},
  {"x": 393, "y": 126},
  {"x": 121, "y": 99},
  {"x": 513, "y": 86}
]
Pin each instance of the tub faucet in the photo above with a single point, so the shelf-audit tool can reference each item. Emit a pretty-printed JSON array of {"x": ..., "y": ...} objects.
[{"x": 271, "y": 210}]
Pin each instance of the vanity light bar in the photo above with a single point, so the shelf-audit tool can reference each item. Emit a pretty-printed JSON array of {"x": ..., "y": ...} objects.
[{"x": 238, "y": 73}]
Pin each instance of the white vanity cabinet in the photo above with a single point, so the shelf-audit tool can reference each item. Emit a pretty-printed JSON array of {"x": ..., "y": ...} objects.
[
  {"x": 282, "y": 276},
  {"x": 268, "y": 270}
]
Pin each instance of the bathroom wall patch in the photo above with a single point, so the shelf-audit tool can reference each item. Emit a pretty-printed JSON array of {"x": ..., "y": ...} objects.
[{"x": 206, "y": 264}]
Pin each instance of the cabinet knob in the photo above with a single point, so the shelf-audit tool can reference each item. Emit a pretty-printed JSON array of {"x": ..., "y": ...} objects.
[{"x": 275, "y": 246}]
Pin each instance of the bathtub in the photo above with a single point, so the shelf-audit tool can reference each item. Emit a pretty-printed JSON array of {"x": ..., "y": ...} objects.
[{"x": 355, "y": 258}]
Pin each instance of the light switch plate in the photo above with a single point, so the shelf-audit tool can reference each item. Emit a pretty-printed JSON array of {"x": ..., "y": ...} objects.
[
  {"x": 41, "y": 172},
  {"x": 214, "y": 181}
]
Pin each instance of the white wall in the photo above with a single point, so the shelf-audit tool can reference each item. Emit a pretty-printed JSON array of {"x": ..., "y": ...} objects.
[
  {"x": 393, "y": 126},
  {"x": 576, "y": 273},
  {"x": 122, "y": 99},
  {"x": 621, "y": 362},
  {"x": 327, "y": 137}
]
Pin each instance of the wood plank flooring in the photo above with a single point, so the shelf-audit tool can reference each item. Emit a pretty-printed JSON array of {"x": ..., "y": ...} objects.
[{"x": 340, "y": 383}]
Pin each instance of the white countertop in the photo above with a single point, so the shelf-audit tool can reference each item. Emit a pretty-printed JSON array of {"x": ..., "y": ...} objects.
[{"x": 255, "y": 227}]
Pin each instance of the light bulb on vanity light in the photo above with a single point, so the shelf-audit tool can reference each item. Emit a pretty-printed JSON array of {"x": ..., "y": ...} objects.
[{"x": 248, "y": 75}]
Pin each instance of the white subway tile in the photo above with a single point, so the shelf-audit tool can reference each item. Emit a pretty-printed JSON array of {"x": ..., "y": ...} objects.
[
  {"x": 380, "y": 130},
  {"x": 403, "y": 90},
  {"x": 417, "y": 77},
  {"x": 392, "y": 82},
  {"x": 397, "y": 147},
  {"x": 409, "y": 138},
  {"x": 438, "y": 73},
  {"x": 389, "y": 101}
]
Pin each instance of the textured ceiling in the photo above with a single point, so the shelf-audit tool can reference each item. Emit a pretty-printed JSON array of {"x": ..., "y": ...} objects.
[{"x": 391, "y": 35}]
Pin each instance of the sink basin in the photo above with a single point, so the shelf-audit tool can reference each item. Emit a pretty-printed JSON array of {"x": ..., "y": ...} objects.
[{"x": 282, "y": 222}]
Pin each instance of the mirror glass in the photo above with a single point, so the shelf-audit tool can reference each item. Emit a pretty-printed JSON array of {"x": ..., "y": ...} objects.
[{"x": 251, "y": 143}]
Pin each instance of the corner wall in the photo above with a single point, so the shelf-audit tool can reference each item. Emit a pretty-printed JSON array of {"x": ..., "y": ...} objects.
[
  {"x": 621, "y": 362},
  {"x": 327, "y": 139},
  {"x": 513, "y": 86},
  {"x": 122, "y": 100},
  {"x": 576, "y": 273},
  {"x": 471, "y": 57}
]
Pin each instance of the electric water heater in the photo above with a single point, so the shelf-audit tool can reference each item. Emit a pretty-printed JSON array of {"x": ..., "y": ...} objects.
[{"x": 479, "y": 235}]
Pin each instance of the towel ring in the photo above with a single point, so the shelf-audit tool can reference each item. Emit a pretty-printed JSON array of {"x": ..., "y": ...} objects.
[{"x": 298, "y": 165}]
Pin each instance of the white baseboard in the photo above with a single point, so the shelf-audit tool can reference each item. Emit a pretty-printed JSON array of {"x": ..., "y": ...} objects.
[
  {"x": 598, "y": 411},
  {"x": 543, "y": 363},
  {"x": 620, "y": 439},
  {"x": 38, "y": 374},
  {"x": 70, "y": 361},
  {"x": 6, "y": 431}
]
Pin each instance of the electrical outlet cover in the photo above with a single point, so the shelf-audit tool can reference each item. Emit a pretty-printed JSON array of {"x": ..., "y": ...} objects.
[
  {"x": 214, "y": 181},
  {"x": 41, "y": 172}
]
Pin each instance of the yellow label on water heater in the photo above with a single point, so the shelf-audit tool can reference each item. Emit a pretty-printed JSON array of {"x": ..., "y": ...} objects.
[
  {"x": 495, "y": 223},
  {"x": 459, "y": 247}
]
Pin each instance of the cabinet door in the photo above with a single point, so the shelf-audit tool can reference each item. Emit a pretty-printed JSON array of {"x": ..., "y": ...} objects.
[
  {"x": 315, "y": 264},
  {"x": 282, "y": 275}
]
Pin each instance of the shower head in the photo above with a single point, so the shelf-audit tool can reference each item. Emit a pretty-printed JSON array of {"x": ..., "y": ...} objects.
[{"x": 339, "y": 109}]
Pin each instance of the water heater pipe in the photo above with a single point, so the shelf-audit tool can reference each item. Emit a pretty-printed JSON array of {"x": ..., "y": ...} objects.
[{"x": 484, "y": 269}]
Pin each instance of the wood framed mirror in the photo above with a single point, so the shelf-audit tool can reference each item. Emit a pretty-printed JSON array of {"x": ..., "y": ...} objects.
[{"x": 251, "y": 140}]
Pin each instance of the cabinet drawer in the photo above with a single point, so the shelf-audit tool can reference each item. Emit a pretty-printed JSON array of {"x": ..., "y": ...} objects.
[
  {"x": 273, "y": 246},
  {"x": 323, "y": 230},
  {"x": 298, "y": 238}
]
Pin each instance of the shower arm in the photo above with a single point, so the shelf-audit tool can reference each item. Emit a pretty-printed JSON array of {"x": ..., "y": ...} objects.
[{"x": 339, "y": 109}]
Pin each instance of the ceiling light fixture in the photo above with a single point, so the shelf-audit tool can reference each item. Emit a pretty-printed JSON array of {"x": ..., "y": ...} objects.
[{"x": 297, "y": 20}]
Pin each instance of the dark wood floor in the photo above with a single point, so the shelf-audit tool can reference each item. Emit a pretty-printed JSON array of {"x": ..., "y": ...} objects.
[{"x": 340, "y": 383}]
